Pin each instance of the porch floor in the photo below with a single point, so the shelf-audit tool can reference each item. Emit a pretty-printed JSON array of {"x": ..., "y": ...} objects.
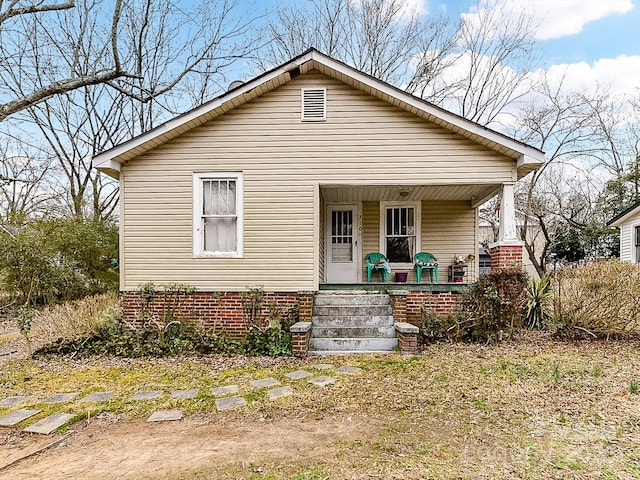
[{"x": 414, "y": 287}]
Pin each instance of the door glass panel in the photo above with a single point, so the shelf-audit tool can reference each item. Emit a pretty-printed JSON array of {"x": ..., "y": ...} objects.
[{"x": 342, "y": 236}]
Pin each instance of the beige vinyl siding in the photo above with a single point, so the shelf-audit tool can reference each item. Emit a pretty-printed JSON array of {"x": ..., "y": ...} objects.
[
  {"x": 449, "y": 229},
  {"x": 370, "y": 232},
  {"x": 363, "y": 141}
]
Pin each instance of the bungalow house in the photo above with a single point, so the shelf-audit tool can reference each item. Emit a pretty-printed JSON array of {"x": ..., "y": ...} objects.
[
  {"x": 629, "y": 224},
  {"x": 289, "y": 180}
]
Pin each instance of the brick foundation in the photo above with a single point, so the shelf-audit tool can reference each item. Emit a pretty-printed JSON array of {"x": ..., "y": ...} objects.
[
  {"x": 215, "y": 312},
  {"x": 441, "y": 303},
  {"x": 505, "y": 256}
]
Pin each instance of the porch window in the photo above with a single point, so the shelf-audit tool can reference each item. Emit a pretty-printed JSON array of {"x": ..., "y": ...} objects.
[
  {"x": 217, "y": 219},
  {"x": 637, "y": 243},
  {"x": 400, "y": 231}
]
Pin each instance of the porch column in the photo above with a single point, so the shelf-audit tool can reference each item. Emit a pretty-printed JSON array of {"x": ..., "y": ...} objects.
[
  {"x": 508, "y": 250},
  {"x": 507, "y": 230}
]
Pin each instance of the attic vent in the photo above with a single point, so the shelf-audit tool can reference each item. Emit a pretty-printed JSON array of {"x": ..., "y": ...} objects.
[{"x": 314, "y": 104}]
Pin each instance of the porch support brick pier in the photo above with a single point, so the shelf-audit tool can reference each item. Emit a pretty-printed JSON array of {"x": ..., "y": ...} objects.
[
  {"x": 300, "y": 335},
  {"x": 507, "y": 251},
  {"x": 407, "y": 337}
]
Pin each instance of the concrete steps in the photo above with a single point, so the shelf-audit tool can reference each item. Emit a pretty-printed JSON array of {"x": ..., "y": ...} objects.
[{"x": 349, "y": 322}]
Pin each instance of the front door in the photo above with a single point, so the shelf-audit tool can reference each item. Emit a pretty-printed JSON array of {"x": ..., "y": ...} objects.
[{"x": 342, "y": 244}]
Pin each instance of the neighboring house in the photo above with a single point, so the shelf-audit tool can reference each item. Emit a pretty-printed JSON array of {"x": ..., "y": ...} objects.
[
  {"x": 288, "y": 180},
  {"x": 629, "y": 224}
]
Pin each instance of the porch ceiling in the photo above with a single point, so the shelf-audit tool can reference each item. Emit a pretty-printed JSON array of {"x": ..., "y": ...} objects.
[{"x": 359, "y": 193}]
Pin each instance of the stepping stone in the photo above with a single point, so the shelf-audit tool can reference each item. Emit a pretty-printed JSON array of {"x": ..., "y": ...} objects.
[
  {"x": 12, "y": 418},
  {"x": 279, "y": 392},
  {"x": 298, "y": 375},
  {"x": 230, "y": 403},
  {"x": 98, "y": 397},
  {"x": 165, "y": 416},
  {"x": 148, "y": 395},
  {"x": 50, "y": 423},
  {"x": 322, "y": 381},
  {"x": 184, "y": 394},
  {"x": 348, "y": 370},
  {"x": 265, "y": 383},
  {"x": 11, "y": 401},
  {"x": 60, "y": 397},
  {"x": 322, "y": 366},
  {"x": 221, "y": 391}
]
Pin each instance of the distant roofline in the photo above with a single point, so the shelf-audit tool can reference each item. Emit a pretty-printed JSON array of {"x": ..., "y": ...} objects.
[{"x": 618, "y": 219}]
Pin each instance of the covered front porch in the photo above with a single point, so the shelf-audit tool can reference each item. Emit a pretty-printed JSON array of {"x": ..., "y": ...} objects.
[{"x": 400, "y": 221}]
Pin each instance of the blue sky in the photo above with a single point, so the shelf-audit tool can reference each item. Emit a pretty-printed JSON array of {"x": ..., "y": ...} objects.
[
  {"x": 569, "y": 31},
  {"x": 583, "y": 42}
]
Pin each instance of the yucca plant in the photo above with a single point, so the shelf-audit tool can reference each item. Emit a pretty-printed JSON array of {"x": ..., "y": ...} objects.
[{"x": 538, "y": 295}]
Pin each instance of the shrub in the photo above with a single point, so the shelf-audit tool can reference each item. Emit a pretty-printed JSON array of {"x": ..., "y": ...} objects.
[
  {"x": 56, "y": 260},
  {"x": 432, "y": 327},
  {"x": 600, "y": 299},
  {"x": 539, "y": 295},
  {"x": 492, "y": 309}
]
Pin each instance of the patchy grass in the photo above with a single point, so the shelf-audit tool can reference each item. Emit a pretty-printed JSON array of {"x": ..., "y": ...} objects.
[{"x": 532, "y": 408}]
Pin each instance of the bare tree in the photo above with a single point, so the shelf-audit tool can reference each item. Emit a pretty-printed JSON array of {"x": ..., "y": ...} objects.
[
  {"x": 564, "y": 126},
  {"x": 488, "y": 68},
  {"x": 38, "y": 60},
  {"x": 26, "y": 186},
  {"x": 380, "y": 37},
  {"x": 166, "y": 47}
]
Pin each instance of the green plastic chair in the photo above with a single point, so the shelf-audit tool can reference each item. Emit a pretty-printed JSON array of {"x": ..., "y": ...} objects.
[
  {"x": 377, "y": 261},
  {"x": 426, "y": 261}
]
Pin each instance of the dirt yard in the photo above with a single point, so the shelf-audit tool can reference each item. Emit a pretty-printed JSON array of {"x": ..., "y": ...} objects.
[{"x": 102, "y": 449}]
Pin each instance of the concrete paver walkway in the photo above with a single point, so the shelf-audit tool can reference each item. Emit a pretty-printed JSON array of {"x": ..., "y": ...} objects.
[
  {"x": 322, "y": 381},
  {"x": 97, "y": 397},
  {"x": 60, "y": 397},
  {"x": 146, "y": 395},
  {"x": 298, "y": 375},
  {"x": 265, "y": 383},
  {"x": 48, "y": 424},
  {"x": 184, "y": 394},
  {"x": 226, "y": 390},
  {"x": 15, "y": 400},
  {"x": 165, "y": 416},
  {"x": 13, "y": 418},
  {"x": 228, "y": 401}
]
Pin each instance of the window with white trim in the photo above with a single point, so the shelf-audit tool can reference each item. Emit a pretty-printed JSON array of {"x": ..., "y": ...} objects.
[
  {"x": 217, "y": 214},
  {"x": 637, "y": 243},
  {"x": 400, "y": 231}
]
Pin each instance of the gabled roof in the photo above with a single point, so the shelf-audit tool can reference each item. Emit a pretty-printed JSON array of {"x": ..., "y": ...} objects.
[
  {"x": 619, "y": 219},
  {"x": 528, "y": 158}
]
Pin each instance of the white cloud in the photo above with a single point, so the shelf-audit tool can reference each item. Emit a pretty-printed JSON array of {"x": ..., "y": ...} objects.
[
  {"x": 555, "y": 18},
  {"x": 620, "y": 75}
]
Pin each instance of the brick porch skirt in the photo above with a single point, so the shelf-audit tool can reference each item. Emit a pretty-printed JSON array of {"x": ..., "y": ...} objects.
[{"x": 217, "y": 312}]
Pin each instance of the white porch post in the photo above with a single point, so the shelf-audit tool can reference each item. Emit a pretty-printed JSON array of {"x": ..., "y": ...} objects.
[
  {"x": 507, "y": 232},
  {"x": 508, "y": 250}
]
